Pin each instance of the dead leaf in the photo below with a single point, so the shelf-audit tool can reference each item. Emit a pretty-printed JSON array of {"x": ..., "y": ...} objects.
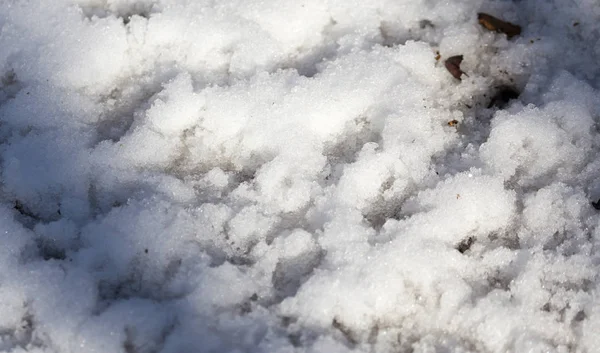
[
  {"x": 494, "y": 24},
  {"x": 453, "y": 65}
]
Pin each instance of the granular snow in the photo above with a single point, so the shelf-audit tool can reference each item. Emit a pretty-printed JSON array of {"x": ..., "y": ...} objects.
[{"x": 298, "y": 176}]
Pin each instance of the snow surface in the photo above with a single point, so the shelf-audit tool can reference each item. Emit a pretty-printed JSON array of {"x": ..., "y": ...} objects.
[{"x": 280, "y": 176}]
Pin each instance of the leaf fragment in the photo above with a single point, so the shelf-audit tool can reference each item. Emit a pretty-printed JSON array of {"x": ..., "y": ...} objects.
[
  {"x": 453, "y": 65},
  {"x": 495, "y": 24}
]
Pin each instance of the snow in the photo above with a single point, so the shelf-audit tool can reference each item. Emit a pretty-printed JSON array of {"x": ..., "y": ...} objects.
[{"x": 298, "y": 176}]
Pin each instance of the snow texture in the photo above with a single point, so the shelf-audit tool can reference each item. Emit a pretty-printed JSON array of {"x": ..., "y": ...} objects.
[{"x": 298, "y": 176}]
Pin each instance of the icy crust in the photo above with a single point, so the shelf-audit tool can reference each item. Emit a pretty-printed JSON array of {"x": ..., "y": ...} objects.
[{"x": 283, "y": 176}]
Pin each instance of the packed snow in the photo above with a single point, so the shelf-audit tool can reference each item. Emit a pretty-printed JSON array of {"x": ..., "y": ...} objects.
[{"x": 299, "y": 176}]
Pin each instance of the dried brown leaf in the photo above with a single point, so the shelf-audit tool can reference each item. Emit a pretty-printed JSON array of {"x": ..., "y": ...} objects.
[
  {"x": 495, "y": 24},
  {"x": 453, "y": 65}
]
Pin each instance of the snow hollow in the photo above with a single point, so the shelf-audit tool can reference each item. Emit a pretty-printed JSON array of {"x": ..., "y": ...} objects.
[{"x": 299, "y": 176}]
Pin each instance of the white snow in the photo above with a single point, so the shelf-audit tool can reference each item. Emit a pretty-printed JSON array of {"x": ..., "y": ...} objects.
[{"x": 298, "y": 176}]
